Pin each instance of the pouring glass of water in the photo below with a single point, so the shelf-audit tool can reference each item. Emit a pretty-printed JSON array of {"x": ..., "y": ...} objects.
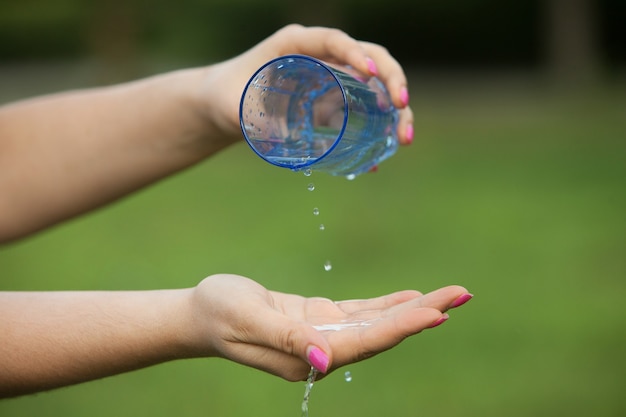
[{"x": 300, "y": 113}]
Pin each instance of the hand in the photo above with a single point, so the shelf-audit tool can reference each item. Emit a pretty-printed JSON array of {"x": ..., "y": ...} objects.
[
  {"x": 284, "y": 334},
  {"x": 225, "y": 81},
  {"x": 47, "y": 342}
]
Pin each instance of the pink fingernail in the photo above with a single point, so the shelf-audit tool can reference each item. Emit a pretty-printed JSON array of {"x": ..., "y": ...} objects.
[
  {"x": 371, "y": 66},
  {"x": 461, "y": 300},
  {"x": 318, "y": 359},
  {"x": 439, "y": 321},
  {"x": 409, "y": 134},
  {"x": 404, "y": 96}
]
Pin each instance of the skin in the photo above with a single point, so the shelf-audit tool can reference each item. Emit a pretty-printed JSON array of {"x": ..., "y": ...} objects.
[{"x": 66, "y": 154}]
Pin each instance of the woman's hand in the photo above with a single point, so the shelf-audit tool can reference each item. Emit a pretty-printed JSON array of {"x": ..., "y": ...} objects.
[
  {"x": 284, "y": 334},
  {"x": 54, "y": 339},
  {"x": 225, "y": 82}
]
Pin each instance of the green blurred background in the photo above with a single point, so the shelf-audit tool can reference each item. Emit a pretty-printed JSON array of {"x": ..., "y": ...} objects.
[{"x": 514, "y": 188}]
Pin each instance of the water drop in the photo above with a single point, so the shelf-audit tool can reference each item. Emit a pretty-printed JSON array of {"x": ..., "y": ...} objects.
[
  {"x": 327, "y": 266},
  {"x": 350, "y": 177},
  {"x": 308, "y": 172},
  {"x": 322, "y": 227},
  {"x": 316, "y": 211},
  {"x": 348, "y": 376},
  {"x": 310, "y": 187}
]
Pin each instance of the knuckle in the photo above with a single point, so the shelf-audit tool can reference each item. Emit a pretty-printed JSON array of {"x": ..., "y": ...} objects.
[
  {"x": 380, "y": 50},
  {"x": 334, "y": 32},
  {"x": 364, "y": 354},
  {"x": 286, "y": 339},
  {"x": 333, "y": 36},
  {"x": 291, "y": 29}
]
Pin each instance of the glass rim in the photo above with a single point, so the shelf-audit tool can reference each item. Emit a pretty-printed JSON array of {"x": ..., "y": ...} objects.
[{"x": 331, "y": 70}]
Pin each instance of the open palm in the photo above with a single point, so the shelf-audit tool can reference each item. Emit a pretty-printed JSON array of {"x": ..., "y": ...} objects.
[{"x": 274, "y": 331}]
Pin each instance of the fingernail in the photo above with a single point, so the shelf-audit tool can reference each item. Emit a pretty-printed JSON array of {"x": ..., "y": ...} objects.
[
  {"x": 409, "y": 134},
  {"x": 318, "y": 359},
  {"x": 439, "y": 321},
  {"x": 461, "y": 300},
  {"x": 404, "y": 96},
  {"x": 371, "y": 66}
]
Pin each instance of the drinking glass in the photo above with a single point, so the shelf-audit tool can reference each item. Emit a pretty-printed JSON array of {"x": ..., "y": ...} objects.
[{"x": 298, "y": 112}]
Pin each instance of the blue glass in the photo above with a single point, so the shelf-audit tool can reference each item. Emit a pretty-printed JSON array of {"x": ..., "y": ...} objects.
[{"x": 298, "y": 112}]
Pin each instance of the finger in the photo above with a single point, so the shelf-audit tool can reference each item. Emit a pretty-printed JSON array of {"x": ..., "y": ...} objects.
[
  {"x": 378, "y": 303},
  {"x": 279, "y": 363},
  {"x": 355, "y": 345},
  {"x": 390, "y": 72},
  {"x": 291, "y": 337},
  {"x": 330, "y": 45},
  {"x": 405, "y": 126},
  {"x": 442, "y": 299},
  {"x": 392, "y": 75}
]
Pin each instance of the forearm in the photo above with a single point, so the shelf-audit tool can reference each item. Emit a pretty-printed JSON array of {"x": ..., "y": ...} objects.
[
  {"x": 53, "y": 339},
  {"x": 65, "y": 154}
]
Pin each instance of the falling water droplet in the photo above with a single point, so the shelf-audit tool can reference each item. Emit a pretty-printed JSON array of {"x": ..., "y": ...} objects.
[
  {"x": 316, "y": 211},
  {"x": 327, "y": 266},
  {"x": 308, "y": 172},
  {"x": 348, "y": 376},
  {"x": 322, "y": 227},
  {"x": 310, "y": 187},
  {"x": 350, "y": 177},
  {"x": 307, "y": 391}
]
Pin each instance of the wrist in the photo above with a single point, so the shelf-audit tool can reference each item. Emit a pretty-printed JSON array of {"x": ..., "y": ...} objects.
[
  {"x": 191, "y": 112},
  {"x": 184, "y": 339},
  {"x": 217, "y": 98}
]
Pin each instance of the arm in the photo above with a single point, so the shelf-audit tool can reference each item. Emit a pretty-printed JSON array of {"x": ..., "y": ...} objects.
[
  {"x": 65, "y": 154},
  {"x": 55, "y": 339}
]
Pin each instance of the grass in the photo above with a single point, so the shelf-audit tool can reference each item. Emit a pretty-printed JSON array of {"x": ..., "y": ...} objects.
[{"x": 516, "y": 193}]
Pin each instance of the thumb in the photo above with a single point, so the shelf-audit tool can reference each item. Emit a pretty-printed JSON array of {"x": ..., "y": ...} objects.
[
  {"x": 317, "y": 358},
  {"x": 296, "y": 338}
]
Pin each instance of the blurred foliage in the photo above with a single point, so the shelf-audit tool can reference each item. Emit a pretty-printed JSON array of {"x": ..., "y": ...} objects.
[
  {"x": 448, "y": 33},
  {"x": 511, "y": 189}
]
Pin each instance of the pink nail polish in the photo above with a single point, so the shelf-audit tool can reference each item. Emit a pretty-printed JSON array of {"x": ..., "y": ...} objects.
[
  {"x": 371, "y": 66},
  {"x": 409, "y": 134},
  {"x": 461, "y": 300},
  {"x": 404, "y": 96},
  {"x": 439, "y": 321},
  {"x": 318, "y": 359}
]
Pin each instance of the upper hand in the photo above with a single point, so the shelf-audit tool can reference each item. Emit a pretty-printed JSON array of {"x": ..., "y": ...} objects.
[{"x": 225, "y": 82}]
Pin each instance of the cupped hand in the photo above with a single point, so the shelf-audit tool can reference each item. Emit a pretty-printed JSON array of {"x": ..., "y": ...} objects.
[
  {"x": 284, "y": 334},
  {"x": 225, "y": 82}
]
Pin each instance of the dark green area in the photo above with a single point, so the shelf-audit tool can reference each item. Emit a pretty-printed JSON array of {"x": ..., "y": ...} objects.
[{"x": 475, "y": 33}]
